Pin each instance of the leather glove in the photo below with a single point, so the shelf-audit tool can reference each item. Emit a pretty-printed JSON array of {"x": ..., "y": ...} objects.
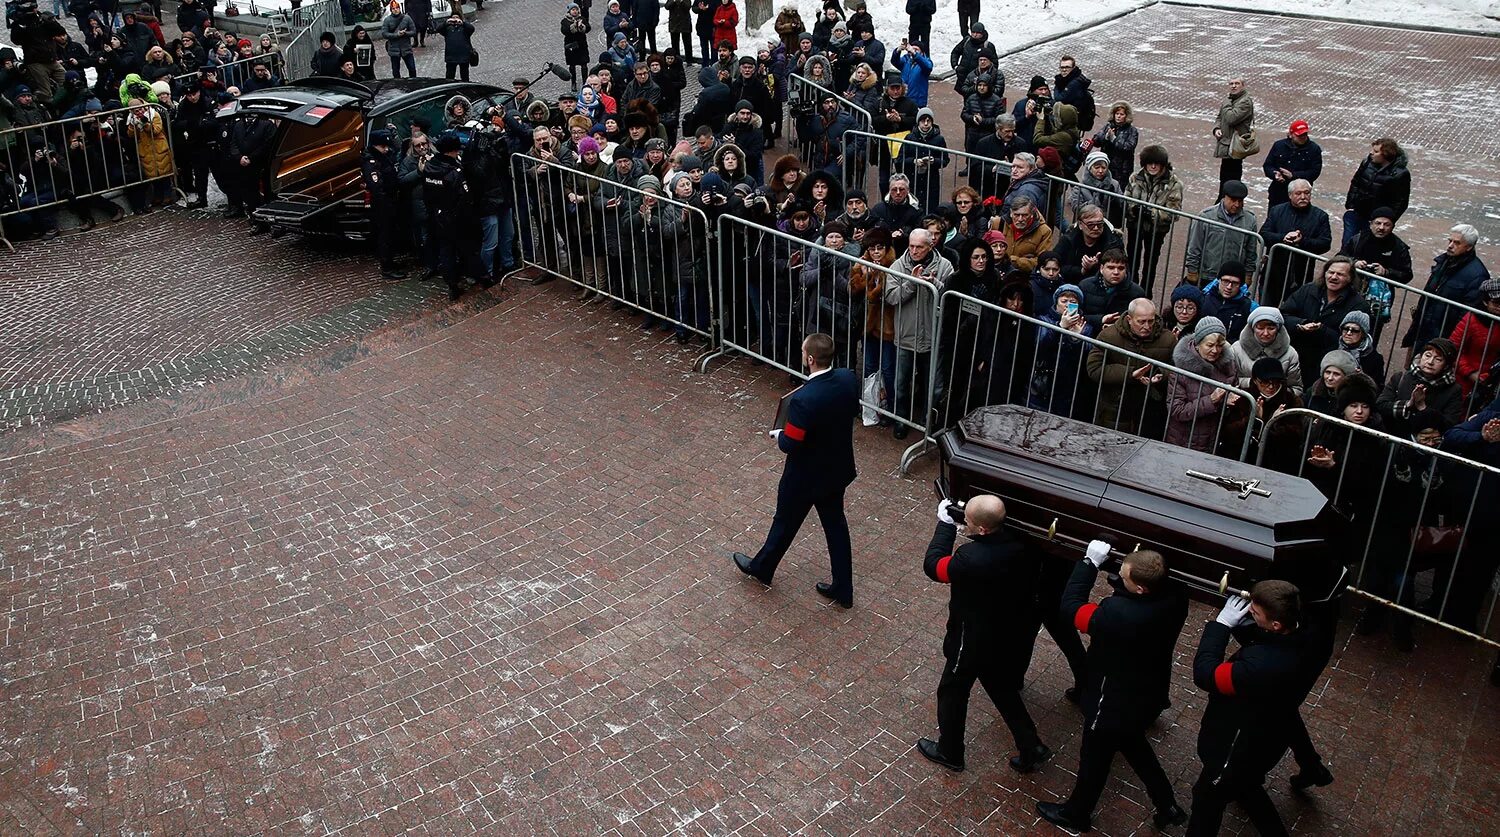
[
  {"x": 1236, "y": 612},
  {"x": 943, "y": 514},
  {"x": 1097, "y": 553}
]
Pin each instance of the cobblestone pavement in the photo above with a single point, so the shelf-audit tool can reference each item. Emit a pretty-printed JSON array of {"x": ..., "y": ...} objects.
[
  {"x": 1352, "y": 82},
  {"x": 478, "y": 579}
]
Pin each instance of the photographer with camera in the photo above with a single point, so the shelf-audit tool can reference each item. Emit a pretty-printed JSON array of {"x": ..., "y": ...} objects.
[
  {"x": 992, "y": 627},
  {"x": 486, "y": 164}
]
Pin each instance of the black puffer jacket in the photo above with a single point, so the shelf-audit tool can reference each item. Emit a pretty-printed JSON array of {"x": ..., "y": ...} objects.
[{"x": 1375, "y": 186}]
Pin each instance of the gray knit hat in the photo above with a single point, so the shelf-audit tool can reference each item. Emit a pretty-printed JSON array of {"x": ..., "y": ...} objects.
[
  {"x": 1207, "y": 326},
  {"x": 1267, "y": 312},
  {"x": 1359, "y": 318},
  {"x": 1342, "y": 360}
]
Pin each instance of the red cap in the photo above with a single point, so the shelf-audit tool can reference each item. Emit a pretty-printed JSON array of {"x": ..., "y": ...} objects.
[{"x": 1299, "y": 127}]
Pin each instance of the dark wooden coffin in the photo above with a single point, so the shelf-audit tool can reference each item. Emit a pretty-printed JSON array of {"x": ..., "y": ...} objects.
[{"x": 1091, "y": 482}]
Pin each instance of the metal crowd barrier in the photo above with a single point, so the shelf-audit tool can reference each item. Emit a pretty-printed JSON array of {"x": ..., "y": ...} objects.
[
  {"x": 775, "y": 288},
  {"x": 1157, "y": 254},
  {"x": 1392, "y": 306},
  {"x": 1411, "y": 510},
  {"x": 1158, "y": 265},
  {"x": 993, "y": 355},
  {"x": 808, "y": 87},
  {"x": 232, "y": 74},
  {"x": 76, "y": 162},
  {"x": 308, "y": 22},
  {"x": 646, "y": 251}
]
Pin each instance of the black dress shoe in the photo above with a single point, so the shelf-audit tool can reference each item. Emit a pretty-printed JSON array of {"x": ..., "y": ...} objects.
[
  {"x": 393, "y": 274},
  {"x": 1169, "y": 816},
  {"x": 826, "y": 591},
  {"x": 1055, "y": 813},
  {"x": 1308, "y": 777},
  {"x": 745, "y": 562},
  {"x": 900, "y": 431},
  {"x": 1074, "y": 694},
  {"x": 929, "y": 749},
  {"x": 1028, "y": 761}
]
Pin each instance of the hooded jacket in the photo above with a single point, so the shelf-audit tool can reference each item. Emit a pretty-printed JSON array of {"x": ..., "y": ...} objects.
[
  {"x": 1248, "y": 349},
  {"x": 1119, "y": 141}
]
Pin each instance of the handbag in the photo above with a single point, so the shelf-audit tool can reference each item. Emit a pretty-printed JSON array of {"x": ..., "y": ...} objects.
[
  {"x": 1244, "y": 145},
  {"x": 473, "y": 57},
  {"x": 871, "y": 392}
]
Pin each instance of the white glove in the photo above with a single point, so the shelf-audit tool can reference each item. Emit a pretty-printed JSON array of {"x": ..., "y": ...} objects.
[
  {"x": 1236, "y": 612},
  {"x": 1097, "y": 553},
  {"x": 943, "y": 514}
]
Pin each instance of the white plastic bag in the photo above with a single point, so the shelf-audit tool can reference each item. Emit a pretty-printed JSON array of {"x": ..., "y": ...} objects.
[{"x": 872, "y": 397}]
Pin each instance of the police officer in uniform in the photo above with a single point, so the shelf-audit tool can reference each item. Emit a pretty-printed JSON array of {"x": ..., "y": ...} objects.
[
  {"x": 446, "y": 193},
  {"x": 378, "y": 168},
  {"x": 1133, "y": 634},
  {"x": 992, "y": 628},
  {"x": 1252, "y": 698},
  {"x": 818, "y": 440},
  {"x": 195, "y": 129}
]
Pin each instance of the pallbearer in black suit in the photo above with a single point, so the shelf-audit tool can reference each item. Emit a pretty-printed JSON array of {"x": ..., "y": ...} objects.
[
  {"x": 992, "y": 627},
  {"x": 1252, "y": 705},
  {"x": 1132, "y": 635},
  {"x": 818, "y": 440}
]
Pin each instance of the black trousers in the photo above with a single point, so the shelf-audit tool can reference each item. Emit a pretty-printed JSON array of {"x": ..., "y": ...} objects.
[
  {"x": 383, "y": 231},
  {"x": 1213, "y": 792},
  {"x": 953, "y": 703},
  {"x": 1053, "y": 579},
  {"x": 919, "y": 31},
  {"x": 1098, "y": 754},
  {"x": 1230, "y": 169},
  {"x": 791, "y": 510},
  {"x": 462, "y": 70}
]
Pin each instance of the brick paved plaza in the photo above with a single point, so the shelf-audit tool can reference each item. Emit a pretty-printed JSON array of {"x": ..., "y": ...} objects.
[{"x": 350, "y": 559}]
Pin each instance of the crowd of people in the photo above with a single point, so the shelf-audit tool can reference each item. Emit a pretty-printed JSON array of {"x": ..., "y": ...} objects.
[{"x": 1054, "y": 232}]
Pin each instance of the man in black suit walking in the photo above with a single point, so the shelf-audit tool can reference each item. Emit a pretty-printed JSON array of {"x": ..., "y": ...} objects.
[
  {"x": 818, "y": 440},
  {"x": 1133, "y": 636},
  {"x": 992, "y": 627}
]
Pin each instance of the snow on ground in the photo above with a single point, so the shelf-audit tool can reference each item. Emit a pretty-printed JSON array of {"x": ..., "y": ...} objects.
[
  {"x": 1477, "y": 16},
  {"x": 1021, "y": 23}
]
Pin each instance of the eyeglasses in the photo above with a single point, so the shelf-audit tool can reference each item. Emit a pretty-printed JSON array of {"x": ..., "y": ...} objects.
[
  {"x": 1093, "y": 225},
  {"x": 962, "y": 202},
  {"x": 1352, "y": 329}
]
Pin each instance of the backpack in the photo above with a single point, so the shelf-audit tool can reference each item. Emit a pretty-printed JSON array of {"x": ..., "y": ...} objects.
[{"x": 1088, "y": 111}]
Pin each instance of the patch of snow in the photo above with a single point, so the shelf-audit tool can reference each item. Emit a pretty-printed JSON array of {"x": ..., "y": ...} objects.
[{"x": 1462, "y": 15}]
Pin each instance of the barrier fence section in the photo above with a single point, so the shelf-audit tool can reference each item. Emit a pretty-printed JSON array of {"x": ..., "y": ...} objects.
[
  {"x": 641, "y": 249},
  {"x": 76, "y": 162},
  {"x": 990, "y": 354},
  {"x": 232, "y": 73},
  {"x": 1402, "y": 319},
  {"x": 1420, "y": 514},
  {"x": 776, "y": 287},
  {"x": 1160, "y": 241},
  {"x": 307, "y": 23},
  {"x": 802, "y": 106},
  {"x": 1156, "y": 238}
]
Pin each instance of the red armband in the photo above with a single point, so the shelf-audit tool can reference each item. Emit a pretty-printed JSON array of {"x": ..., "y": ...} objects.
[
  {"x": 794, "y": 432},
  {"x": 942, "y": 568},
  {"x": 1082, "y": 617},
  {"x": 1224, "y": 679}
]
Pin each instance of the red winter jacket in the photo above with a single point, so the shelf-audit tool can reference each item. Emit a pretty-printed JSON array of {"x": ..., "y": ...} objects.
[
  {"x": 726, "y": 18},
  {"x": 1478, "y": 345}
]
